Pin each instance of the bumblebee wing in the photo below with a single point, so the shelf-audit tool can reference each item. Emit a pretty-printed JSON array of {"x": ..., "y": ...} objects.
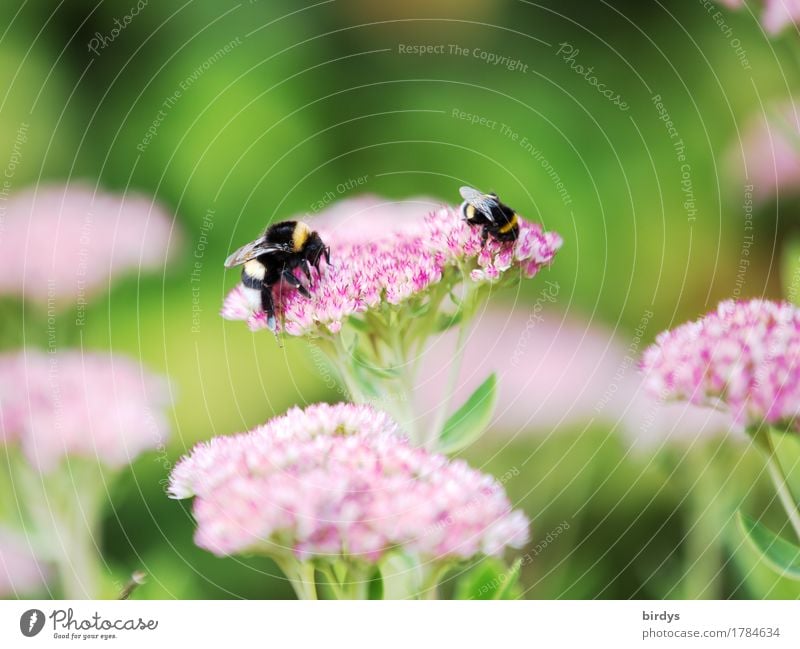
[
  {"x": 247, "y": 252},
  {"x": 484, "y": 203}
]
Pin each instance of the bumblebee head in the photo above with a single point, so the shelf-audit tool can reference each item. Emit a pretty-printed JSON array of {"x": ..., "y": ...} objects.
[{"x": 315, "y": 249}]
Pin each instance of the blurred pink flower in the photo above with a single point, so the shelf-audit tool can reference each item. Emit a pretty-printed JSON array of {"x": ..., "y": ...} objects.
[
  {"x": 556, "y": 372},
  {"x": 776, "y": 15},
  {"x": 20, "y": 571},
  {"x": 62, "y": 243},
  {"x": 368, "y": 217},
  {"x": 552, "y": 370},
  {"x": 745, "y": 355},
  {"x": 339, "y": 480},
  {"x": 770, "y": 145},
  {"x": 86, "y": 404},
  {"x": 384, "y": 252},
  {"x": 649, "y": 423},
  {"x": 780, "y": 13}
]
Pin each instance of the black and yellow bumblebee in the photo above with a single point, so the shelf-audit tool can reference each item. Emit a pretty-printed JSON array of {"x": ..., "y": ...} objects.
[
  {"x": 486, "y": 211},
  {"x": 273, "y": 258}
]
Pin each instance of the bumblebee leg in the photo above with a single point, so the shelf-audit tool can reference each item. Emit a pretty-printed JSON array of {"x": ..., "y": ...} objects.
[
  {"x": 484, "y": 236},
  {"x": 268, "y": 305},
  {"x": 289, "y": 278},
  {"x": 306, "y": 266}
]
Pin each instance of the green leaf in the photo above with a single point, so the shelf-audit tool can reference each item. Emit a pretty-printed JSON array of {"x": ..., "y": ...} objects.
[
  {"x": 780, "y": 554},
  {"x": 790, "y": 270},
  {"x": 362, "y": 363},
  {"x": 358, "y": 323},
  {"x": 490, "y": 579},
  {"x": 419, "y": 310},
  {"x": 467, "y": 423},
  {"x": 365, "y": 383},
  {"x": 508, "y": 589},
  {"x": 446, "y": 321}
]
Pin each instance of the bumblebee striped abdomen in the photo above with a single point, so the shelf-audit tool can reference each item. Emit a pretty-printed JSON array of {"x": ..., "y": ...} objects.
[
  {"x": 512, "y": 223},
  {"x": 253, "y": 273}
]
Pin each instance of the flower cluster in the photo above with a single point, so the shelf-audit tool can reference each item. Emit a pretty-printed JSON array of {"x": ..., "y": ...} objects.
[
  {"x": 79, "y": 403},
  {"x": 60, "y": 243},
  {"x": 745, "y": 355},
  {"x": 339, "y": 481},
  {"x": 380, "y": 258}
]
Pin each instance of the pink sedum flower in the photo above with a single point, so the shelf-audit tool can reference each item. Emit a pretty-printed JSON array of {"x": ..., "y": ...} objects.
[
  {"x": 389, "y": 253},
  {"x": 20, "y": 571},
  {"x": 336, "y": 481},
  {"x": 745, "y": 355},
  {"x": 63, "y": 243},
  {"x": 92, "y": 405}
]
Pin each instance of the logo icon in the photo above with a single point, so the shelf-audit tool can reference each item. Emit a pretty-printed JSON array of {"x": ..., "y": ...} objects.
[{"x": 31, "y": 622}]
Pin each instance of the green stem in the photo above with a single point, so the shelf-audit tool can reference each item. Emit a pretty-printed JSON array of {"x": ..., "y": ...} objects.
[
  {"x": 405, "y": 407},
  {"x": 78, "y": 563},
  {"x": 358, "y": 585},
  {"x": 64, "y": 509},
  {"x": 450, "y": 386},
  {"x": 393, "y": 395},
  {"x": 704, "y": 537},
  {"x": 430, "y": 587},
  {"x": 78, "y": 504},
  {"x": 400, "y": 399},
  {"x": 307, "y": 575},
  {"x": 333, "y": 582},
  {"x": 301, "y": 577},
  {"x": 762, "y": 437},
  {"x": 334, "y": 349}
]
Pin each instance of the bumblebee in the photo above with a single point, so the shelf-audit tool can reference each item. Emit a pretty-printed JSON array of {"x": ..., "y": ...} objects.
[
  {"x": 273, "y": 258},
  {"x": 486, "y": 211}
]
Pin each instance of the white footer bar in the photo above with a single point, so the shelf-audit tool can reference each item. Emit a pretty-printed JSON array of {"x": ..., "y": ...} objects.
[{"x": 406, "y": 625}]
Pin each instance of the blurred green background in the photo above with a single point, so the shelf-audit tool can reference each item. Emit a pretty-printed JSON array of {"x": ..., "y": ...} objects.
[{"x": 309, "y": 96}]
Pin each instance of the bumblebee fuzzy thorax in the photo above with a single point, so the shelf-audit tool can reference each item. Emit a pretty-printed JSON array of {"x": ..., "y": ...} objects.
[{"x": 300, "y": 236}]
